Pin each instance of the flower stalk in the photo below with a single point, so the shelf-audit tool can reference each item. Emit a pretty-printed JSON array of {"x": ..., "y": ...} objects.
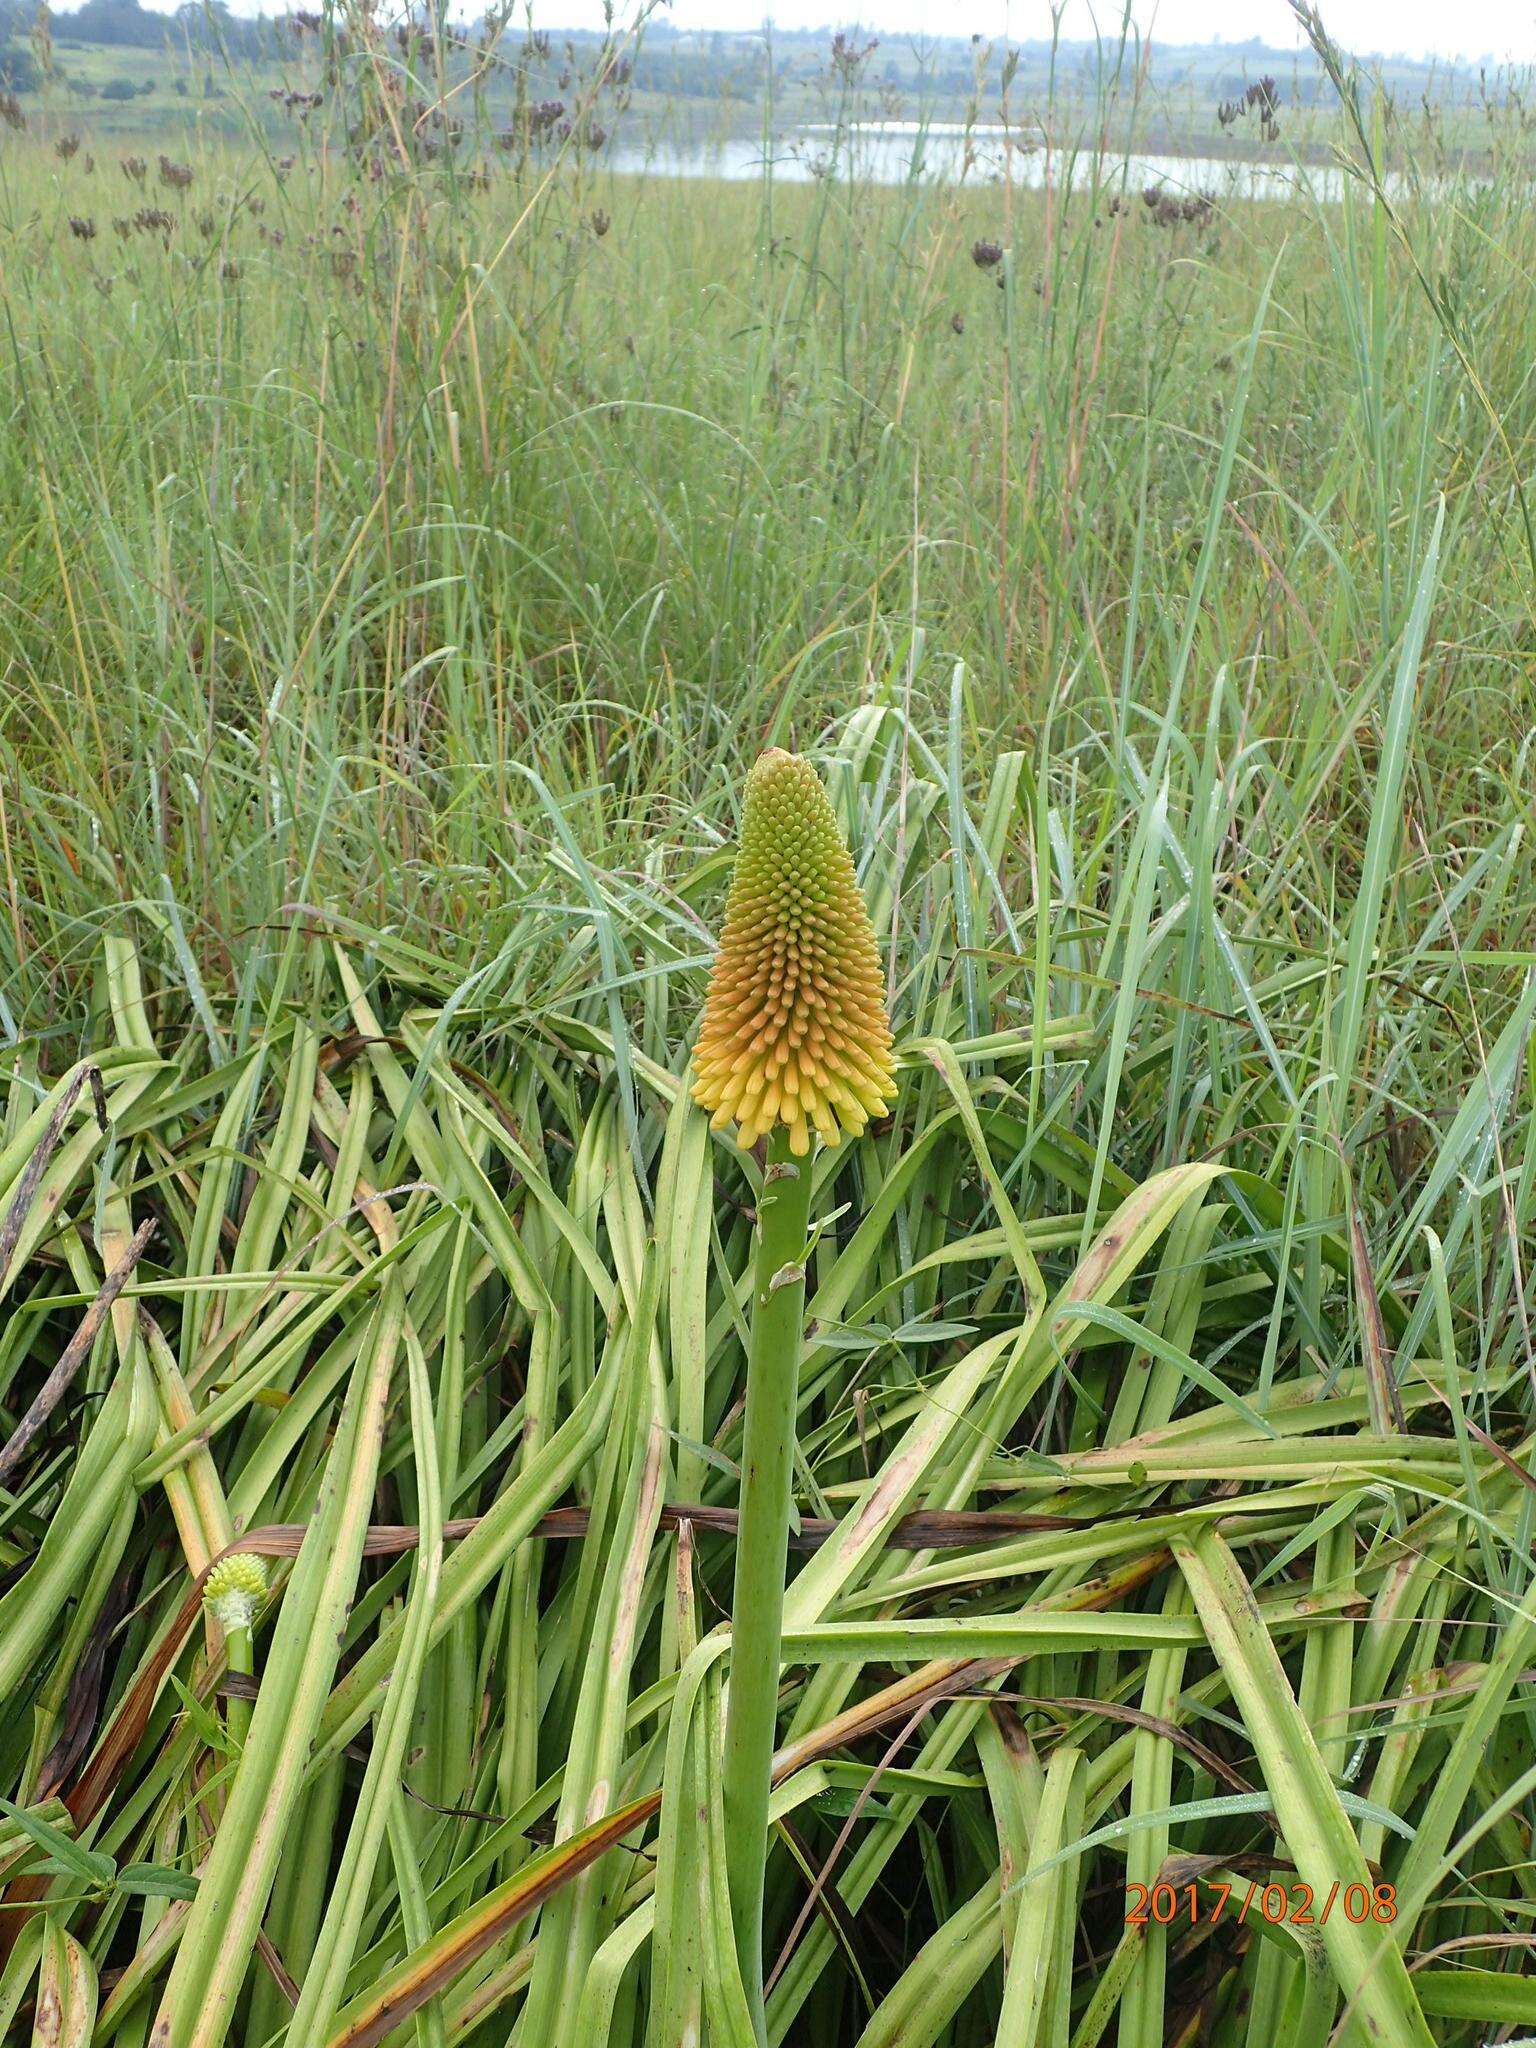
[
  {"x": 762, "y": 1545},
  {"x": 236, "y": 1587},
  {"x": 794, "y": 1047}
]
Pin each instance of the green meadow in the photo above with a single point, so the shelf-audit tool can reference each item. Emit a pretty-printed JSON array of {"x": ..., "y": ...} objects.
[{"x": 417, "y": 513}]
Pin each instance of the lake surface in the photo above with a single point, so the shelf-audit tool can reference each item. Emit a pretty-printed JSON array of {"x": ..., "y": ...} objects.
[{"x": 890, "y": 152}]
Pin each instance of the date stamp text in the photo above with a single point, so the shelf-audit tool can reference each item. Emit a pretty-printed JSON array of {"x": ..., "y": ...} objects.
[{"x": 1295, "y": 1905}]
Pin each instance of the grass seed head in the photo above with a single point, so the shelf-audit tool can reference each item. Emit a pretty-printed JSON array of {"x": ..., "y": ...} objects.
[{"x": 795, "y": 1030}]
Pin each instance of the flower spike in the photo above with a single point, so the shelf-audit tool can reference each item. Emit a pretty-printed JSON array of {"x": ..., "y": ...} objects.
[
  {"x": 235, "y": 1588},
  {"x": 795, "y": 1030}
]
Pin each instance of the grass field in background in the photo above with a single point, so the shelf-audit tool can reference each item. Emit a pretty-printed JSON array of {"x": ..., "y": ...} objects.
[{"x": 403, "y": 557}]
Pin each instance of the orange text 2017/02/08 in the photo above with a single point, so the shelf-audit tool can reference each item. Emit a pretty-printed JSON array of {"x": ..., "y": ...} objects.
[{"x": 1297, "y": 1905}]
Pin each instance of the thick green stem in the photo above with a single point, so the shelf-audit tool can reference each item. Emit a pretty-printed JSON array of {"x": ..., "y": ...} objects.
[
  {"x": 241, "y": 1663},
  {"x": 762, "y": 1544}
]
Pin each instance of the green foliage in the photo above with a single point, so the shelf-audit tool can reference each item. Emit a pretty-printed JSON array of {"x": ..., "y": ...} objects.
[
  {"x": 400, "y": 572},
  {"x": 18, "y": 67}
]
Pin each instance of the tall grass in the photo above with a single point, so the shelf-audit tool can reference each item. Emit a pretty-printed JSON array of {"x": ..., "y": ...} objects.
[{"x": 397, "y": 581}]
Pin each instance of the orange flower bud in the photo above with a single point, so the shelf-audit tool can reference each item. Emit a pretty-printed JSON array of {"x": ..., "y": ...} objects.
[{"x": 795, "y": 1030}]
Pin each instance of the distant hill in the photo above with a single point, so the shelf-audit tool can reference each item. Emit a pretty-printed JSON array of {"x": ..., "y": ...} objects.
[
  {"x": 683, "y": 59},
  {"x": 140, "y": 68},
  {"x": 1220, "y": 70},
  {"x": 126, "y": 23}
]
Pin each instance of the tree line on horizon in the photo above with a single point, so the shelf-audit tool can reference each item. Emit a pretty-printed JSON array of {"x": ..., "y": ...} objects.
[{"x": 712, "y": 63}]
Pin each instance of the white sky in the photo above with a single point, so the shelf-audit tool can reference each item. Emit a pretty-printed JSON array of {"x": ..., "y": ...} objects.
[
  {"x": 1497, "y": 29},
  {"x": 1471, "y": 28}
]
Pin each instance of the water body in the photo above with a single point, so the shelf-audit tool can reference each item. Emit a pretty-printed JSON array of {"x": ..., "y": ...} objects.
[{"x": 891, "y": 152}]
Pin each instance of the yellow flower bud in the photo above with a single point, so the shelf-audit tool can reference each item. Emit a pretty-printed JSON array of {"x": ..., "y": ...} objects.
[
  {"x": 795, "y": 1030},
  {"x": 235, "y": 1588}
]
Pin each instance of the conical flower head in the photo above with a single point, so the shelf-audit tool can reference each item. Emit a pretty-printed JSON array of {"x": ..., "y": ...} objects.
[
  {"x": 795, "y": 1030},
  {"x": 235, "y": 1588}
]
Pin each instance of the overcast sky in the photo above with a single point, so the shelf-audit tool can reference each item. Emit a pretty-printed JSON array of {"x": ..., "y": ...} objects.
[
  {"x": 1500, "y": 28},
  {"x": 1471, "y": 28}
]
